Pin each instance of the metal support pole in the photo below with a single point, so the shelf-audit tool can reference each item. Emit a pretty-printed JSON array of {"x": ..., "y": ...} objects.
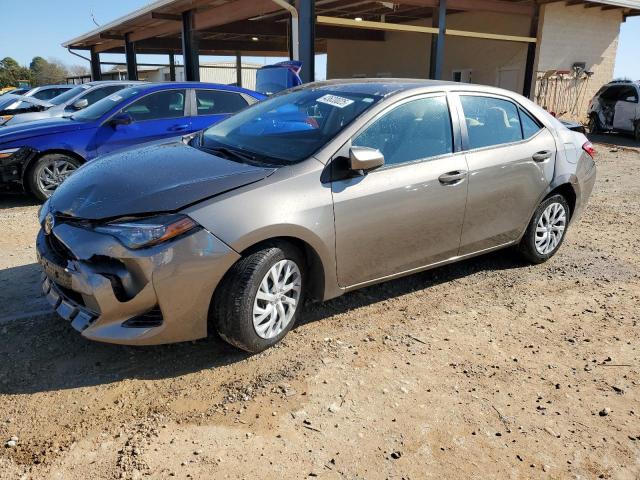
[
  {"x": 96, "y": 72},
  {"x": 437, "y": 43},
  {"x": 307, "y": 37},
  {"x": 527, "y": 89},
  {"x": 130, "y": 54},
  {"x": 238, "y": 69},
  {"x": 190, "y": 51},
  {"x": 172, "y": 67}
]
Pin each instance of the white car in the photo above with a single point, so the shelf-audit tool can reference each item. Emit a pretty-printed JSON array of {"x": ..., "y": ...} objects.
[{"x": 615, "y": 108}]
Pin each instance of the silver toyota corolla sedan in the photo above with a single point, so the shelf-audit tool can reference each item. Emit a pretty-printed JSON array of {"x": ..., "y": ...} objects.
[{"x": 312, "y": 193}]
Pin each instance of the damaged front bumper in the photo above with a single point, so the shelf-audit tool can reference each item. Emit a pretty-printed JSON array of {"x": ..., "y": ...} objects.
[{"x": 149, "y": 296}]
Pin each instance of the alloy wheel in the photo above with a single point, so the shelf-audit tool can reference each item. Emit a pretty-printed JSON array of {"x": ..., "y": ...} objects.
[
  {"x": 53, "y": 173},
  {"x": 550, "y": 228},
  {"x": 277, "y": 299}
]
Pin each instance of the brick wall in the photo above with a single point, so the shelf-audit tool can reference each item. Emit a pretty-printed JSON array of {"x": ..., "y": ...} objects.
[{"x": 569, "y": 34}]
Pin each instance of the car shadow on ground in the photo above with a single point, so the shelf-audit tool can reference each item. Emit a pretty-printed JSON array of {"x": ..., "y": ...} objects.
[
  {"x": 615, "y": 139},
  {"x": 13, "y": 200},
  {"x": 46, "y": 354}
]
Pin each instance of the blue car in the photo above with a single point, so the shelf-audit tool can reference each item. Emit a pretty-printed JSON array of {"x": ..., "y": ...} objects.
[{"x": 37, "y": 156}]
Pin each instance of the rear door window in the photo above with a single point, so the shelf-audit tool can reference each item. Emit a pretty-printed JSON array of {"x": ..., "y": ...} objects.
[
  {"x": 416, "y": 130},
  {"x": 214, "y": 102},
  {"x": 158, "y": 105},
  {"x": 490, "y": 121}
]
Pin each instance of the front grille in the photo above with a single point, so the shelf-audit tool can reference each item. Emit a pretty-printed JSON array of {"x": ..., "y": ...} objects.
[
  {"x": 59, "y": 250},
  {"x": 153, "y": 318}
]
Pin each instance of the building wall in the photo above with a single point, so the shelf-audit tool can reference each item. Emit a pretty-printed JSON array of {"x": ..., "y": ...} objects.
[
  {"x": 491, "y": 62},
  {"x": 400, "y": 55},
  {"x": 566, "y": 34},
  {"x": 408, "y": 54},
  {"x": 570, "y": 34}
]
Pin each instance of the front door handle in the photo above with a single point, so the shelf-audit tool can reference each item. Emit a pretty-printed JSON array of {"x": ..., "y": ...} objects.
[
  {"x": 452, "y": 178},
  {"x": 178, "y": 128},
  {"x": 542, "y": 155}
]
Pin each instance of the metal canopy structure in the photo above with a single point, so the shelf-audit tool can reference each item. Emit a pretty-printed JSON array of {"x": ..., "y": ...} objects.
[{"x": 296, "y": 28}]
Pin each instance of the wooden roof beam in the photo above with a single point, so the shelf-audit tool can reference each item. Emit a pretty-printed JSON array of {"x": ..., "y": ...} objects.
[{"x": 497, "y": 6}]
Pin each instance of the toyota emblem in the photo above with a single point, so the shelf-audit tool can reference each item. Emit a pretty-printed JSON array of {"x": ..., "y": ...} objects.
[{"x": 49, "y": 223}]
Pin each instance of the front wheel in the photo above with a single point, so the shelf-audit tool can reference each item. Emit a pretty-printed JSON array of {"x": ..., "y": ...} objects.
[
  {"x": 546, "y": 230},
  {"x": 49, "y": 172},
  {"x": 260, "y": 298},
  {"x": 636, "y": 132},
  {"x": 594, "y": 124}
]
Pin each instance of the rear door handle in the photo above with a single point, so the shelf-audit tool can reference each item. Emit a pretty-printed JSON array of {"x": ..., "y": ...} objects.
[
  {"x": 452, "y": 178},
  {"x": 178, "y": 128},
  {"x": 542, "y": 156}
]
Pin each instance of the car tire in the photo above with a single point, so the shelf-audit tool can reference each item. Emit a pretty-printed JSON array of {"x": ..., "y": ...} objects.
[
  {"x": 546, "y": 230},
  {"x": 636, "y": 132},
  {"x": 48, "y": 172},
  {"x": 594, "y": 124},
  {"x": 248, "y": 292}
]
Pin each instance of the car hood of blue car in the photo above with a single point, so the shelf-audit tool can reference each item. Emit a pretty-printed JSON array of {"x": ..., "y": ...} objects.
[
  {"x": 158, "y": 178},
  {"x": 36, "y": 128}
]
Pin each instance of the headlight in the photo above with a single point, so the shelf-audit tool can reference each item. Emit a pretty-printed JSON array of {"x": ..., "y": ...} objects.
[
  {"x": 146, "y": 232},
  {"x": 8, "y": 152}
]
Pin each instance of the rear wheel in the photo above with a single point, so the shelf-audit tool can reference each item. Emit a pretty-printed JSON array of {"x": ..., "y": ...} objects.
[
  {"x": 260, "y": 298},
  {"x": 48, "y": 173},
  {"x": 546, "y": 230}
]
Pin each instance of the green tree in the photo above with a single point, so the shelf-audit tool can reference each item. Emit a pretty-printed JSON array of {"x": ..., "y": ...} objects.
[
  {"x": 47, "y": 72},
  {"x": 11, "y": 73}
]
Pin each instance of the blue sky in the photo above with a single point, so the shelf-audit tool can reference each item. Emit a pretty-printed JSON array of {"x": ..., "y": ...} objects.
[{"x": 51, "y": 22}]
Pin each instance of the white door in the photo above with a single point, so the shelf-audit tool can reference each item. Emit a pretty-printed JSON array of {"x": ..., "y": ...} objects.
[{"x": 626, "y": 109}]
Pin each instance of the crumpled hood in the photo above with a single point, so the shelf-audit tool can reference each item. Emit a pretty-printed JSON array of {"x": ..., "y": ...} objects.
[
  {"x": 21, "y": 131},
  {"x": 158, "y": 178}
]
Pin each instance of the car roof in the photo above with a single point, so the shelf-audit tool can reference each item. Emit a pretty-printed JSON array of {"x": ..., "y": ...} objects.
[
  {"x": 217, "y": 86},
  {"x": 109, "y": 82},
  {"x": 390, "y": 86},
  {"x": 623, "y": 82}
]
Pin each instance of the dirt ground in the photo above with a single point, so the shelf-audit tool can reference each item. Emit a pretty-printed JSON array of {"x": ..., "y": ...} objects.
[{"x": 490, "y": 368}]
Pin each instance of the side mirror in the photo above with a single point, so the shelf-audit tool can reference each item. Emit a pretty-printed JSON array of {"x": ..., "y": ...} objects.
[
  {"x": 80, "y": 104},
  {"x": 365, "y": 158},
  {"x": 121, "y": 119}
]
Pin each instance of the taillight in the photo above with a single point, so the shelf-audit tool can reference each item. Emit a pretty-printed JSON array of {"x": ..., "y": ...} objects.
[{"x": 588, "y": 147}]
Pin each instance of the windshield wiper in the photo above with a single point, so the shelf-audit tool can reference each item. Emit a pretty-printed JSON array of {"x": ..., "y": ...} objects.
[{"x": 231, "y": 154}]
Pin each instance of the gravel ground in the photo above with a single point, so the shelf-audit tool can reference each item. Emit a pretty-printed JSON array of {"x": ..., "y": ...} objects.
[{"x": 490, "y": 368}]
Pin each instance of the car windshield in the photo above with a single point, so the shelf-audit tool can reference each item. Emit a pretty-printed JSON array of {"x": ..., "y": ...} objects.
[
  {"x": 69, "y": 94},
  {"x": 98, "y": 109},
  {"x": 290, "y": 127}
]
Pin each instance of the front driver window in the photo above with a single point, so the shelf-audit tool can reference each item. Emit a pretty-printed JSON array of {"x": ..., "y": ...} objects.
[
  {"x": 412, "y": 131},
  {"x": 158, "y": 105}
]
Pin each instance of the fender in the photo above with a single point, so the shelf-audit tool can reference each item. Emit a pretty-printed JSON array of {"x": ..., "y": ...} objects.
[
  {"x": 299, "y": 233},
  {"x": 567, "y": 179}
]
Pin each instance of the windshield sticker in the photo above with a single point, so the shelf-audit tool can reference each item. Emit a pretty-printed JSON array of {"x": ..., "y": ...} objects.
[{"x": 335, "y": 101}]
